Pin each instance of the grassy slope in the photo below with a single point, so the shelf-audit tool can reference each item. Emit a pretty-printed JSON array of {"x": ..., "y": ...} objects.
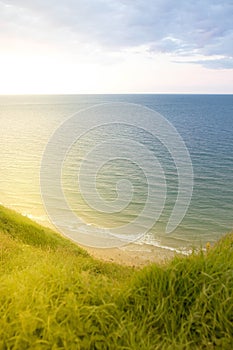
[{"x": 54, "y": 296}]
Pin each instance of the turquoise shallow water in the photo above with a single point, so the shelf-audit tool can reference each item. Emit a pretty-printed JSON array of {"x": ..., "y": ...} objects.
[{"x": 205, "y": 122}]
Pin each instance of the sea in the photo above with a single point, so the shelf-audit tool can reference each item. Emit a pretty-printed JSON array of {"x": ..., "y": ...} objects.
[{"x": 108, "y": 170}]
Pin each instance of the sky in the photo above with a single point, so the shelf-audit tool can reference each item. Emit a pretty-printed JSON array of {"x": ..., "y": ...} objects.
[{"x": 116, "y": 46}]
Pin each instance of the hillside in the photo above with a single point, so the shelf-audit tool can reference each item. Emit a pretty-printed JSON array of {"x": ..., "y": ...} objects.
[{"x": 53, "y": 295}]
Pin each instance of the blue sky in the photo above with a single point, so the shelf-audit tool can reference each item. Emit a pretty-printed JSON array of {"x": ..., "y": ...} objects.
[{"x": 126, "y": 46}]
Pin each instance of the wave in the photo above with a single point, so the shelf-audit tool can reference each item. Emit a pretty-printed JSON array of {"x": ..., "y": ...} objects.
[
  {"x": 41, "y": 218},
  {"x": 152, "y": 242}
]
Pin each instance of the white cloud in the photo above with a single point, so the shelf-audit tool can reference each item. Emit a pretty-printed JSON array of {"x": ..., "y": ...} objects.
[
  {"x": 119, "y": 39},
  {"x": 213, "y": 63},
  {"x": 185, "y": 27}
]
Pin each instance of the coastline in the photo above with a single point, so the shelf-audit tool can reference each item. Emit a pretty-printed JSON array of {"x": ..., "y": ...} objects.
[
  {"x": 53, "y": 285},
  {"x": 132, "y": 255}
]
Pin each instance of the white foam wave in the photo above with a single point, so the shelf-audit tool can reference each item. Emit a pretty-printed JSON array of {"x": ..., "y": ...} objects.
[
  {"x": 154, "y": 243},
  {"x": 41, "y": 218}
]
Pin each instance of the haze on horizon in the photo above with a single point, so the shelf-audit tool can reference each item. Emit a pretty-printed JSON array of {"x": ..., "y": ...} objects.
[{"x": 116, "y": 46}]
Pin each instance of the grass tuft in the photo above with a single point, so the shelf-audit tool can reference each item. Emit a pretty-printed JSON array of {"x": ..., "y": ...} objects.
[{"x": 53, "y": 295}]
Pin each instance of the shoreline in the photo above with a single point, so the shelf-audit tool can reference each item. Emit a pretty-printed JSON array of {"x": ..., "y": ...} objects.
[{"x": 131, "y": 255}]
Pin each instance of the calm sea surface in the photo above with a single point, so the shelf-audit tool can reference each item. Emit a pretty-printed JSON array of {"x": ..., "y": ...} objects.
[{"x": 205, "y": 122}]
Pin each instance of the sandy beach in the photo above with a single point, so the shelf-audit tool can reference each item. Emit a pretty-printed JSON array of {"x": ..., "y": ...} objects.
[
  {"x": 133, "y": 254},
  {"x": 137, "y": 255}
]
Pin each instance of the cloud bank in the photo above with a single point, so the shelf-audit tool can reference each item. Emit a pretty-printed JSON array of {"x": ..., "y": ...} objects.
[{"x": 193, "y": 31}]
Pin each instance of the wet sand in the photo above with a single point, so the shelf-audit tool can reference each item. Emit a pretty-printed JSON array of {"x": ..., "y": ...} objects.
[
  {"x": 133, "y": 255},
  {"x": 130, "y": 255}
]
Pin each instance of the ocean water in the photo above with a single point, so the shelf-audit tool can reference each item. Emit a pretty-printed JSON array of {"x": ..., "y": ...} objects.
[{"x": 112, "y": 171}]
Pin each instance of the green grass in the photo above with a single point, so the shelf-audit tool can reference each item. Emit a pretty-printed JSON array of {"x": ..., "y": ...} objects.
[{"x": 53, "y": 295}]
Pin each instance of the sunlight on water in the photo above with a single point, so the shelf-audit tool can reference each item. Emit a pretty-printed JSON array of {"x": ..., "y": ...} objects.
[{"x": 204, "y": 122}]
